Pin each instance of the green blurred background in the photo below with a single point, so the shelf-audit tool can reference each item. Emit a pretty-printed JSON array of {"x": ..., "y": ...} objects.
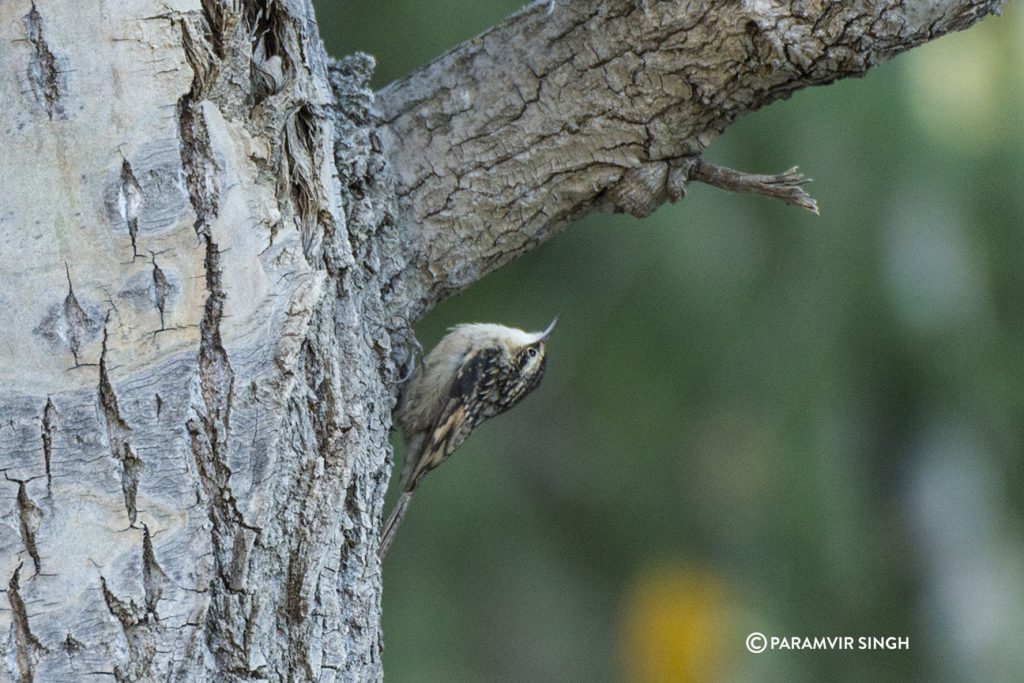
[{"x": 754, "y": 419}]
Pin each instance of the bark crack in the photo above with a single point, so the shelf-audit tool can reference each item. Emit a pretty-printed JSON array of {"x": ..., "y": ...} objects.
[
  {"x": 302, "y": 135},
  {"x": 209, "y": 428},
  {"x": 160, "y": 291},
  {"x": 197, "y": 158},
  {"x": 271, "y": 66},
  {"x": 49, "y": 430},
  {"x": 139, "y": 627},
  {"x": 119, "y": 437},
  {"x": 153, "y": 577},
  {"x": 198, "y": 162},
  {"x": 129, "y": 200},
  {"x": 216, "y": 376},
  {"x": 43, "y": 72},
  {"x": 27, "y": 646},
  {"x": 29, "y": 518},
  {"x": 78, "y": 324}
]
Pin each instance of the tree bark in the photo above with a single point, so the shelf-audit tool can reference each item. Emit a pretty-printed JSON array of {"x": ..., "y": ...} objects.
[
  {"x": 196, "y": 373},
  {"x": 511, "y": 136},
  {"x": 208, "y": 277}
]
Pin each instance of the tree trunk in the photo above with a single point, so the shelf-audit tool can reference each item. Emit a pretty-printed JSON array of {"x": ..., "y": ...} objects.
[
  {"x": 197, "y": 375},
  {"x": 208, "y": 279}
]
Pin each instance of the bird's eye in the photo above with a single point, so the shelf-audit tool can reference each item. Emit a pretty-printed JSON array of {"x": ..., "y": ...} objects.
[{"x": 532, "y": 352}]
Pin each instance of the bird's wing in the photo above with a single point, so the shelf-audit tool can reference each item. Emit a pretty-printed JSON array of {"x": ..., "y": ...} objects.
[{"x": 460, "y": 412}]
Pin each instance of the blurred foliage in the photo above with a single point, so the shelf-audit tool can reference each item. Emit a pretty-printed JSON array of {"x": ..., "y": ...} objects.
[{"x": 754, "y": 419}]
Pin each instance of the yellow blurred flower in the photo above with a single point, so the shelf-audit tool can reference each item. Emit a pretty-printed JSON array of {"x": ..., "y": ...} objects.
[{"x": 674, "y": 627}]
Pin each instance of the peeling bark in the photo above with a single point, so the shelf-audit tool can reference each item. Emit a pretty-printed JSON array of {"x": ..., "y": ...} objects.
[{"x": 195, "y": 442}]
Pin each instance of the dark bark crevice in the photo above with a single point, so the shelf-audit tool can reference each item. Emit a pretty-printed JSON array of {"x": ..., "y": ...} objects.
[
  {"x": 119, "y": 438},
  {"x": 49, "y": 425},
  {"x": 44, "y": 73},
  {"x": 27, "y": 647}
]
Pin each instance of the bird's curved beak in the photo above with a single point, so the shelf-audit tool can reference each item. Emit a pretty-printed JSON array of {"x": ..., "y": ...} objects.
[{"x": 546, "y": 332}]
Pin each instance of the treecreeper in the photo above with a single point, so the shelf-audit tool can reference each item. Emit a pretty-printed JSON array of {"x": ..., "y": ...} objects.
[{"x": 475, "y": 372}]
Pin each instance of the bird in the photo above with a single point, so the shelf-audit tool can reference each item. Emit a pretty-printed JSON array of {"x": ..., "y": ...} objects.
[{"x": 476, "y": 371}]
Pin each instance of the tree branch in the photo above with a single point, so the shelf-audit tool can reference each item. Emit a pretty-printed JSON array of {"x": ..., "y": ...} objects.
[
  {"x": 787, "y": 186},
  {"x": 607, "y": 104}
]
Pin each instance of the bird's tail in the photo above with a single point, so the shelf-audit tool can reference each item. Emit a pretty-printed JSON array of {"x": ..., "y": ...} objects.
[{"x": 394, "y": 519}]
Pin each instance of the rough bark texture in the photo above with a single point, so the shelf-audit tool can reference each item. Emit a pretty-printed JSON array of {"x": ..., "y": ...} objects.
[
  {"x": 205, "y": 299},
  {"x": 571, "y": 106},
  {"x": 196, "y": 388}
]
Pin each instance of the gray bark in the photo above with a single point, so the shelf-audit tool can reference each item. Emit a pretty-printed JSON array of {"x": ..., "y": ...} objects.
[
  {"x": 196, "y": 373},
  {"x": 207, "y": 285},
  {"x": 606, "y": 105}
]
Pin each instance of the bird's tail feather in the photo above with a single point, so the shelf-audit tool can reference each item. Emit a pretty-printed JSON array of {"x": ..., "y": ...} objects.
[{"x": 394, "y": 519}]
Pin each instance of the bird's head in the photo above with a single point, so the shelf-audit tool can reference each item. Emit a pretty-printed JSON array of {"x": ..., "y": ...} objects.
[{"x": 527, "y": 353}]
